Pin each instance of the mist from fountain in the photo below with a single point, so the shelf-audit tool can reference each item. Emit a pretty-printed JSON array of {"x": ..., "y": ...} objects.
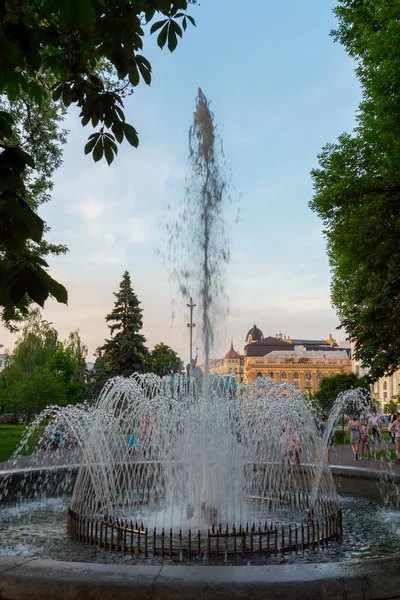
[{"x": 185, "y": 456}]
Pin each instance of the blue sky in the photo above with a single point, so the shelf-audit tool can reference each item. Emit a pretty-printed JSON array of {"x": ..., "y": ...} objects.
[{"x": 280, "y": 89}]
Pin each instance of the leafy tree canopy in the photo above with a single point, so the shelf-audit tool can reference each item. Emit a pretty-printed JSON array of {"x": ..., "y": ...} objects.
[
  {"x": 162, "y": 360},
  {"x": 90, "y": 53},
  {"x": 392, "y": 404},
  {"x": 357, "y": 189},
  {"x": 42, "y": 370},
  {"x": 331, "y": 387},
  {"x": 125, "y": 352}
]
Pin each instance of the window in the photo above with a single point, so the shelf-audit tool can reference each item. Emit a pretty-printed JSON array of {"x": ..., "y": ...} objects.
[
  {"x": 320, "y": 376},
  {"x": 296, "y": 384},
  {"x": 385, "y": 385},
  {"x": 271, "y": 374},
  {"x": 331, "y": 374},
  {"x": 295, "y": 375},
  {"x": 385, "y": 395},
  {"x": 259, "y": 374},
  {"x": 283, "y": 375}
]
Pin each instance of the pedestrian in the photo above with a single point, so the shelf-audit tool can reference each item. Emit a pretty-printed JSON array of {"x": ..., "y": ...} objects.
[
  {"x": 375, "y": 427},
  {"x": 392, "y": 419},
  {"x": 355, "y": 434},
  {"x": 365, "y": 440},
  {"x": 395, "y": 427}
]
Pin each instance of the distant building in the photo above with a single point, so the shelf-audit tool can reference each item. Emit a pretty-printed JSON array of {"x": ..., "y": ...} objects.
[
  {"x": 386, "y": 388},
  {"x": 233, "y": 362},
  {"x": 300, "y": 362},
  {"x": 4, "y": 358}
]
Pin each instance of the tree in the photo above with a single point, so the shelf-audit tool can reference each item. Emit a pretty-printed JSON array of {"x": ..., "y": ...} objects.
[
  {"x": 38, "y": 131},
  {"x": 331, "y": 387},
  {"x": 392, "y": 404},
  {"x": 89, "y": 52},
  {"x": 162, "y": 360},
  {"x": 125, "y": 353},
  {"x": 357, "y": 190},
  {"x": 42, "y": 370}
]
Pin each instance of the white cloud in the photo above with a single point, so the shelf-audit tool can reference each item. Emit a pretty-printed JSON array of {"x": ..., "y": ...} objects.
[{"x": 88, "y": 209}]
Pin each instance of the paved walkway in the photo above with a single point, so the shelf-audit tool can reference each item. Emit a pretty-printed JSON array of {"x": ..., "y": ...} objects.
[
  {"x": 44, "y": 459},
  {"x": 343, "y": 456},
  {"x": 340, "y": 456}
]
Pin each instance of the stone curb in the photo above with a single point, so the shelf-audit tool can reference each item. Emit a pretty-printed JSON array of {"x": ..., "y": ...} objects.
[{"x": 34, "y": 579}]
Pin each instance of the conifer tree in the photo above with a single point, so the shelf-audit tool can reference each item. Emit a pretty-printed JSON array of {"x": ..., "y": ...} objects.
[{"x": 125, "y": 352}]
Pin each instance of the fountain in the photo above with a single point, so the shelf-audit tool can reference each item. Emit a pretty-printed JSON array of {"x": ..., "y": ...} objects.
[
  {"x": 215, "y": 474},
  {"x": 188, "y": 467}
]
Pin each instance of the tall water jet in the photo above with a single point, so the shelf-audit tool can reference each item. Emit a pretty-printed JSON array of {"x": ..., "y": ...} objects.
[{"x": 198, "y": 242}]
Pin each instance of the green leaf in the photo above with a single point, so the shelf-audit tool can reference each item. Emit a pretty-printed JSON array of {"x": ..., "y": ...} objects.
[
  {"x": 108, "y": 152},
  {"x": 56, "y": 95},
  {"x": 184, "y": 23},
  {"x": 172, "y": 40},
  {"x": 98, "y": 151},
  {"x": 130, "y": 134},
  {"x": 157, "y": 26},
  {"x": 134, "y": 76},
  {"x": 144, "y": 68},
  {"x": 91, "y": 144},
  {"x": 54, "y": 288},
  {"x": 27, "y": 158},
  {"x": 118, "y": 131},
  {"x": 162, "y": 36},
  {"x": 176, "y": 28},
  {"x": 86, "y": 15},
  {"x": 193, "y": 22}
]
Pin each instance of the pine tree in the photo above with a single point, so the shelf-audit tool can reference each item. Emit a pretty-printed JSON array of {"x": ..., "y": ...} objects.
[{"x": 125, "y": 353}]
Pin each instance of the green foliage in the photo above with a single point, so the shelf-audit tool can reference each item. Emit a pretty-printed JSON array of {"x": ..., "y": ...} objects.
[
  {"x": 125, "y": 353},
  {"x": 43, "y": 371},
  {"x": 357, "y": 189},
  {"x": 330, "y": 387},
  {"x": 162, "y": 360},
  {"x": 10, "y": 438},
  {"x": 30, "y": 131},
  {"x": 341, "y": 437},
  {"x": 57, "y": 53},
  {"x": 392, "y": 405}
]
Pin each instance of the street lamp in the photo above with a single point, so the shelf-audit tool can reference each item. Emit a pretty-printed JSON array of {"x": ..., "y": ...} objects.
[{"x": 191, "y": 306}]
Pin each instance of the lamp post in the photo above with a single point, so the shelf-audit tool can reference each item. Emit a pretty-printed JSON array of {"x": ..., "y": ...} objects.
[{"x": 191, "y": 306}]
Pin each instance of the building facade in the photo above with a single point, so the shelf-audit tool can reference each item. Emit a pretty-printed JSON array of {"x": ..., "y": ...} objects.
[
  {"x": 233, "y": 362},
  {"x": 301, "y": 363},
  {"x": 386, "y": 389}
]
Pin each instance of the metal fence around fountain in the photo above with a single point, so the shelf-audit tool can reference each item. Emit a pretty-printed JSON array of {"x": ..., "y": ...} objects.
[{"x": 262, "y": 539}]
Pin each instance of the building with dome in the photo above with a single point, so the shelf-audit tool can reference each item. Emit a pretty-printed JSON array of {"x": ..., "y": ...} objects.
[
  {"x": 231, "y": 363},
  {"x": 300, "y": 362}
]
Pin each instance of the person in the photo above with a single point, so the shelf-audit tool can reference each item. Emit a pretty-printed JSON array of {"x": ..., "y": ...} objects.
[
  {"x": 375, "y": 424},
  {"x": 364, "y": 440},
  {"x": 329, "y": 438},
  {"x": 395, "y": 427},
  {"x": 355, "y": 435},
  {"x": 392, "y": 419},
  {"x": 145, "y": 435}
]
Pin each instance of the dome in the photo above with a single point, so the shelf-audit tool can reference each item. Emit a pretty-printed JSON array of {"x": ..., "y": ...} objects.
[
  {"x": 232, "y": 353},
  {"x": 254, "y": 335}
]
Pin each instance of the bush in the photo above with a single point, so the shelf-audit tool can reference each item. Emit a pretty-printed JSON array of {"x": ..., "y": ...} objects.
[{"x": 339, "y": 437}]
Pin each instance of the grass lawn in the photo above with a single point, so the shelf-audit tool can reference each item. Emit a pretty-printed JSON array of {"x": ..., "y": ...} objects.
[
  {"x": 10, "y": 437},
  {"x": 339, "y": 440},
  {"x": 387, "y": 455}
]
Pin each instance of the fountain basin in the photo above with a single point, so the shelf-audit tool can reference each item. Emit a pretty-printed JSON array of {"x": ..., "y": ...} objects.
[{"x": 37, "y": 579}]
